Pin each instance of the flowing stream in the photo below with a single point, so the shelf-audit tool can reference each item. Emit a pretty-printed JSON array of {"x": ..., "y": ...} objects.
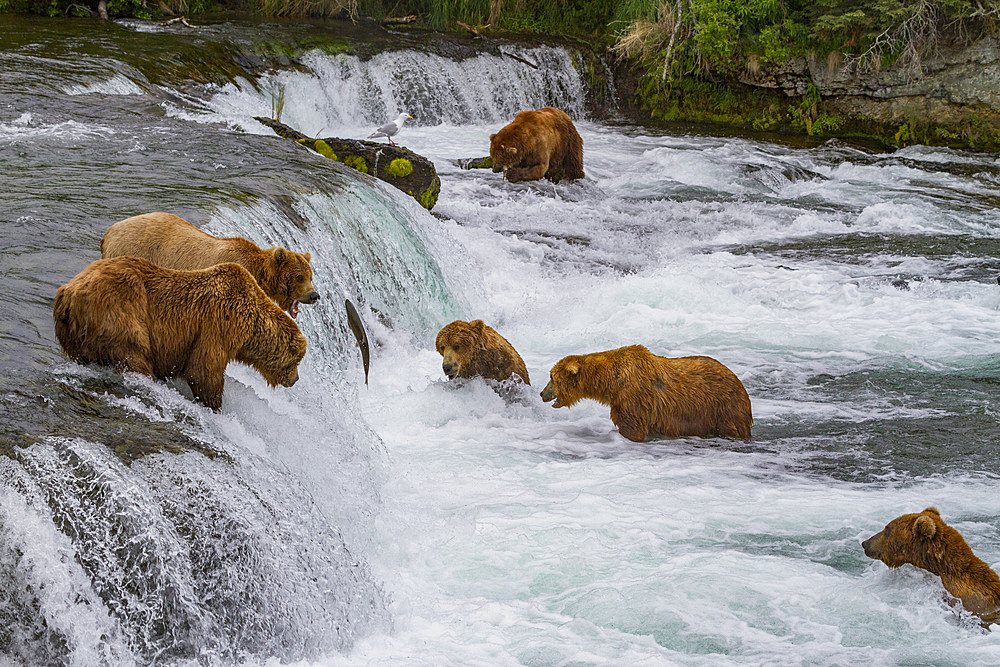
[{"x": 417, "y": 521}]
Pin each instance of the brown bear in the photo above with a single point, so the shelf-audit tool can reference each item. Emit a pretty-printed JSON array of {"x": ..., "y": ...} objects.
[
  {"x": 536, "y": 144},
  {"x": 175, "y": 243},
  {"x": 647, "y": 394},
  {"x": 472, "y": 349},
  {"x": 929, "y": 543},
  {"x": 133, "y": 315}
]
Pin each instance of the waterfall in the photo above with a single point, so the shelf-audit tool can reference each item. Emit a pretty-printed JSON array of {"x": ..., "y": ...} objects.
[{"x": 344, "y": 91}]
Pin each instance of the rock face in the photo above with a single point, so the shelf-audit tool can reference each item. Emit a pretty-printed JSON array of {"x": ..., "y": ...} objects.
[
  {"x": 400, "y": 167},
  {"x": 957, "y": 87}
]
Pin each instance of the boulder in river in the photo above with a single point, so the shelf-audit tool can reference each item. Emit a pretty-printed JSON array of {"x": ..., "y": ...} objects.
[{"x": 400, "y": 167}]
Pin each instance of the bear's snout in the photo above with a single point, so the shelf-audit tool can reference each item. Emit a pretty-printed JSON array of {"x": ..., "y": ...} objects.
[
  {"x": 549, "y": 393},
  {"x": 312, "y": 297},
  {"x": 869, "y": 547},
  {"x": 497, "y": 169},
  {"x": 292, "y": 378},
  {"x": 449, "y": 370}
]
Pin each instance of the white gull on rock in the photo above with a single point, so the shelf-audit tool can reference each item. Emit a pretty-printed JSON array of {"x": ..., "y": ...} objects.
[{"x": 391, "y": 128}]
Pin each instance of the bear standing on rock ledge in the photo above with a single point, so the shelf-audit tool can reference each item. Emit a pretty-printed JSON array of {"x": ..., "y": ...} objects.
[
  {"x": 538, "y": 144},
  {"x": 135, "y": 316},
  {"x": 652, "y": 395},
  {"x": 174, "y": 243}
]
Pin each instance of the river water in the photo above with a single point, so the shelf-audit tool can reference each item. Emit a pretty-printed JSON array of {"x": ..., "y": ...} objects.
[{"x": 416, "y": 521}]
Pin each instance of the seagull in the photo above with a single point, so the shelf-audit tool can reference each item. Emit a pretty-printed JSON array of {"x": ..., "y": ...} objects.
[{"x": 391, "y": 128}]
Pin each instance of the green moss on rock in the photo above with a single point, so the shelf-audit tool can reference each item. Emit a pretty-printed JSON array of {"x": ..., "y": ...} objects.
[
  {"x": 324, "y": 149},
  {"x": 400, "y": 168},
  {"x": 429, "y": 198},
  {"x": 357, "y": 162}
]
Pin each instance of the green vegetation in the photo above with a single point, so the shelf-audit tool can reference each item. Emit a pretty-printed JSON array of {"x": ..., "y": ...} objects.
[
  {"x": 357, "y": 162},
  {"x": 324, "y": 149},
  {"x": 400, "y": 168}
]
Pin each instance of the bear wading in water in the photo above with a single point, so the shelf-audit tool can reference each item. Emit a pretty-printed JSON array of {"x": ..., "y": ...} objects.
[
  {"x": 926, "y": 541},
  {"x": 174, "y": 243},
  {"x": 652, "y": 395},
  {"x": 472, "y": 349},
  {"x": 132, "y": 315},
  {"x": 537, "y": 144}
]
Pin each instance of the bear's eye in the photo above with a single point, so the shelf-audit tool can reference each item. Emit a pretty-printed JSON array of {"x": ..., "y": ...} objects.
[
  {"x": 300, "y": 279},
  {"x": 455, "y": 347}
]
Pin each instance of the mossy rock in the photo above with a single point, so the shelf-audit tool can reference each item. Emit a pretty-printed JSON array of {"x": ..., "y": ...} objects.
[
  {"x": 475, "y": 163},
  {"x": 397, "y": 166}
]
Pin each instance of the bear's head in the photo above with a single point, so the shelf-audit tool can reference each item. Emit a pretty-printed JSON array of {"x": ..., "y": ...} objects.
[
  {"x": 288, "y": 279},
  {"x": 504, "y": 151},
  {"x": 457, "y": 342},
  {"x": 564, "y": 383},
  {"x": 281, "y": 364},
  {"x": 917, "y": 539}
]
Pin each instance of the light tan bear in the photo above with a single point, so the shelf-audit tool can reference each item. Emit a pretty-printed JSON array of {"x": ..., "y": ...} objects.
[
  {"x": 924, "y": 540},
  {"x": 651, "y": 395},
  {"x": 135, "y": 316},
  {"x": 537, "y": 144},
  {"x": 472, "y": 349},
  {"x": 174, "y": 243}
]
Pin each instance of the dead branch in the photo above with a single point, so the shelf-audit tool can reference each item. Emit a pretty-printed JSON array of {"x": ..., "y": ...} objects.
[
  {"x": 670, "y": 45},
  {"x": 177, "y": 19},
  {"x": 475, "y": 32},
  {"x": 518, "y": 59},
  {"x": 399, "y": 20}
]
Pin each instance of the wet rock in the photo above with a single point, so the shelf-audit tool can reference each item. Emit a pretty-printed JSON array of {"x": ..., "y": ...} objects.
[
  {"x": 399, "y": 167},
  {"x": 475, "y": 162}
]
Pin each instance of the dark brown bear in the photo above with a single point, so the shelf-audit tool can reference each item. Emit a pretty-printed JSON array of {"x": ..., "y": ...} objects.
[{"x": 542, "y": 143}]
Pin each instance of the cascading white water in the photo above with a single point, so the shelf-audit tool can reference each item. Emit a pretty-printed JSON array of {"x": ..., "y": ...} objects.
[{"x": 343, "y": 92}]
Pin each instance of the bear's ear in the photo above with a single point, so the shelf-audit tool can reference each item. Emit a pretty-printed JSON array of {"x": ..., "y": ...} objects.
[
  {"x": 308, "y": 256},
  {"x": 572, "y": 368},
  {"x": 477, "y": 326},
  {"x": 280, "y": 255},
  {"x": 931, "y": 510},
  {"x": 493, "y": 135},
  {"x": 924, "y": 525}
]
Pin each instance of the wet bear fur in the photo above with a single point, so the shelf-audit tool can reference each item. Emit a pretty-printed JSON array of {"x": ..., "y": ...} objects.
[
  {"x": 472, "y": 349},
  {"x": 652, "y": 395},
  {"x": 132, "y": 315},
  {"x": 926, "y": 541},
  {"x": 174, "y": 243},
  {"x": 542, "y": 143}
]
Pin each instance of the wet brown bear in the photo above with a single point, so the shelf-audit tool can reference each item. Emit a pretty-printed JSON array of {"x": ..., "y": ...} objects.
[
  {"x": 928, "y": 542},
  {"x": 536, "y": 144},
  {"x": 175, "y": 243},
  {"x": 133, "y": 315},
  {"x": 472, "y": 349},
  {"x": 651, "y": 395}
]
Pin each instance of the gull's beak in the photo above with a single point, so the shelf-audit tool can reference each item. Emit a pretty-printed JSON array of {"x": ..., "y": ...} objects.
[{"x": 410, "y": 117}]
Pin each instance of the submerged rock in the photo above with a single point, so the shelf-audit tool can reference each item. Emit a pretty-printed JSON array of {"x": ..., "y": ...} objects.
[
  {"x": 475, "y": 162},
  {"x": 400, "y": 167}
]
